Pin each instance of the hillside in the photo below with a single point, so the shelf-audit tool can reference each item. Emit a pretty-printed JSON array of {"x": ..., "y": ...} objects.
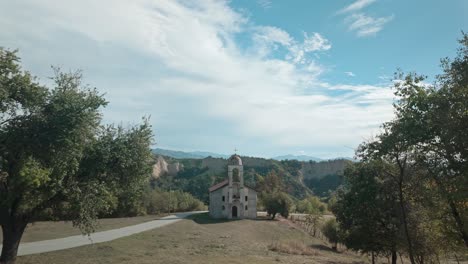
[
  {"x": 197, "y": 175},
  {"x": 200, "y": 240}
]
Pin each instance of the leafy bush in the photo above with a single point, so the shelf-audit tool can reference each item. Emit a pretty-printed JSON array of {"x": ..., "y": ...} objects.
[
  {"x": 277, "y": 203},
  {"x": 158, "y": 201},
  {"x": 311, "y": 205},
  {"x": 331, "y": 230}
]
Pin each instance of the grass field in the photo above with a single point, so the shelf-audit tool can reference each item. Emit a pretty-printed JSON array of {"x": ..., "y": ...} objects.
[
  {"x": 204, "y": 240},
  {"x": 49, "y": 230}
]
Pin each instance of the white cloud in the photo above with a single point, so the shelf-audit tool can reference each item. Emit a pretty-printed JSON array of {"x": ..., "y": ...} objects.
[
  {"x": 265, "y": 4},
  {"x": 181, "y": 64},
  {"x": 356, "y": 6},
  {"x": 365, "y": 25},
  {"x": 268, "y": 39},
  {"x": 350, "y": 74},
  {"x": 315, "y": 43},
  {"x": 269, "y": 34},
  {"x": 273, "y": 35}
]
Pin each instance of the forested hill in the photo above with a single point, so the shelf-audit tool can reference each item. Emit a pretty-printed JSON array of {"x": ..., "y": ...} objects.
[{"x": 197, "y": 175}]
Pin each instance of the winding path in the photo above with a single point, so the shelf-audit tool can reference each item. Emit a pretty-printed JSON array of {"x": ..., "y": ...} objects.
[{"x": 98, "y": 237}]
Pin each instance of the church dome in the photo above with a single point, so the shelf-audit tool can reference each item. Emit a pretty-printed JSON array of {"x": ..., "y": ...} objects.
[{"x": 235, "y": 160}]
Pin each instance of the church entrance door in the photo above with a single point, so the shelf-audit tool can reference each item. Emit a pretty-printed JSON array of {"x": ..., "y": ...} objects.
[{"x": 234, "y": 212}]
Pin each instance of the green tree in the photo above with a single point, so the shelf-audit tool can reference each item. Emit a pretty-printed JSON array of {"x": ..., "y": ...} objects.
[
  {"x": 120, "y": 158},
  {"x": 367, "y": 210},
  {"x": 331, "y": 231},
  {"x": 391, "y": 148},
  {"x": 311, "y": 205},
  {"x": 435, "y": 118},
  {"x": 277, "y": 203},
  {"x": 271, "y": 183},
  {"x": 55, "y": 155},
  {"x": 424, "y": 154}
]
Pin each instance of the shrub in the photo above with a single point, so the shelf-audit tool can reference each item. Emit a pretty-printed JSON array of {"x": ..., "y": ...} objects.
[
  {"x": 277, "y": 203},
  {"x": 331, "y": 230},
  {"x": 311, "y": 205},
  {"x": 158, "y": 201}
]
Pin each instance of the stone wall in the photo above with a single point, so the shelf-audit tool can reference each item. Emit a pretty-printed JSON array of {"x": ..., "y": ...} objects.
[
  {"x": 216, "y": 203},
  {"x": 251, "y": 203}
]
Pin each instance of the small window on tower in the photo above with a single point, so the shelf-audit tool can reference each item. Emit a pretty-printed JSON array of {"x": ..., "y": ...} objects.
[
  {"x": 235, "y": 175},
  {"x": 246, "y": 198},
  {"x": 223, "y": 207},
  {"x": 246, "y": 207},
  {"x": 223, "y": 198}
]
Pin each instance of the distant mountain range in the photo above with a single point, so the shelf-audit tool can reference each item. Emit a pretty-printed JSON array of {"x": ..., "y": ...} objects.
[
  {"x": 297, "y": 157},
  {"x": 203, "y": 154},
  {"x": 187, "y": 155}
]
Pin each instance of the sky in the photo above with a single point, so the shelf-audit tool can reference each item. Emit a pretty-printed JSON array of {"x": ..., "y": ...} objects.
[{"x": 265, "y": 77}]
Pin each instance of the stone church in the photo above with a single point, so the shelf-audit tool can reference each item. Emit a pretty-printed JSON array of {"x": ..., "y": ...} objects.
[{"x": 231, "y": 198}]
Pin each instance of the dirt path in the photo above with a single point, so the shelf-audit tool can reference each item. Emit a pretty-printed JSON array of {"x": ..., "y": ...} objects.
[{"x": 98, "y": 237}]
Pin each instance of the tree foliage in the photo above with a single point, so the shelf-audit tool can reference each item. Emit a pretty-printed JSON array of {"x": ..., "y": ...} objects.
[
  {"x": 410, "y": 187},
  {"x": 332, "y": 232},
  {"x": 56, "y": 156},
  {"x": 436, "y": 121},
  {"x": 311, "y": 205},
  {"x": 367, "y": 209},
  {"x": 158, "y": 201},
  {"x": 271, "y": 183},
  {"x": 325, "y": 185},
  {"x": 277, "y": 203}
]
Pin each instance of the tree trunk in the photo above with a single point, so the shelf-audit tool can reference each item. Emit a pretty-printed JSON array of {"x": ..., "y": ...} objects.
[
  {"x": 405, "y": 223},
  {"x": 373, "y": 257},
  {"x": 394, "y": 257},
  {"x": 12, "y": 233},
  {"x": 459, "y": 221},
  {"x": 453, "y": 209},
  {"x": 273, "y": 216}
]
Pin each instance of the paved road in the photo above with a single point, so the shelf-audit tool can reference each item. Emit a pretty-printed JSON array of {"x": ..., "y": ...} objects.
[{"x": 98, "y": 237}]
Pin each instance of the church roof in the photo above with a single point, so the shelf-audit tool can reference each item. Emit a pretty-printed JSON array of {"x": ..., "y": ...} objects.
[
  {"x": 218, "y": 185},
  {"x": 235, "y": 160}
]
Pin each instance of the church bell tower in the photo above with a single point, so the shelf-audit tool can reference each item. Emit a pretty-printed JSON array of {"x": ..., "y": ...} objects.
[{"x": 236, "y": 186}]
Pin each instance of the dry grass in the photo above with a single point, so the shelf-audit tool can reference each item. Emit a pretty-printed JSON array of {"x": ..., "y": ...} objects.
[
  {"x": 293, "y": 247},
  {"x": 201, "y": 240},
  {"x": 50, "y": 230}
]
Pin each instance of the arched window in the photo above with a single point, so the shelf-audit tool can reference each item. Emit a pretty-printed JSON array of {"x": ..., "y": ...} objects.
[{"x": 235, "y": 175}]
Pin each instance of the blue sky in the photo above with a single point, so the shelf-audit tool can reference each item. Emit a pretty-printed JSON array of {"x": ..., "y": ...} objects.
[{"x": 265, "y": 77}]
